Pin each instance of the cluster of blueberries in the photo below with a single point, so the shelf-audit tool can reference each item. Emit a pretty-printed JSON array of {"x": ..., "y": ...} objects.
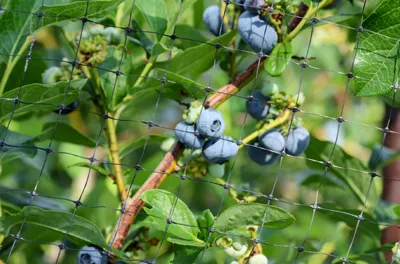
[
  {"x": 297, "y": 140},
  {"x": 253, "y": 27},
  {"x": 206, "y": 133}
]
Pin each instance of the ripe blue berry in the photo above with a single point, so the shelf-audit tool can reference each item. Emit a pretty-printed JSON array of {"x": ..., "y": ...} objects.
[
  {"x": 297, "y": 141},
  {"x": 186, "y": 134},
  {"x": 257, "y": 33},
  {"x": 257, "y": 108},
  {"x": 219, "y": 150},
  {"x": 211, "y": 123},
  {"x": 253, "y": 6},
  {"x": 212, "y": 19},
  {"x": 261, "y": 156},
  {"x": 91, "y": 255},
  {"x": 273, "y": 140}
]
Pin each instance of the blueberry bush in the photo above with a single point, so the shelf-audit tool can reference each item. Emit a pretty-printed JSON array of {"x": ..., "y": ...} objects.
[{"x": 198, "y": 131}]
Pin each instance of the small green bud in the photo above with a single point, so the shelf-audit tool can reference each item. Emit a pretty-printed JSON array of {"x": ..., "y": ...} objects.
[
  {"x": 237, "y": 246},
  {"x": 112, "y": 35},
  {"x": 166, "y": 145},
  {"x": 224, "y": 242},
  {"x": 270, "y": 88},
  {"x": 192, "y": 114},
  {"x": 258, "y": 259},
  {"x": 52, "y": 75},
  {"x": 396, "y": 251},
  {"x": 96, "y": 30},
  {"x": 195, "y": 154},
  {"x": 216, "y": 170},
  {"x": 301, "y": 99},
  {"x": 236, "y": 253}
]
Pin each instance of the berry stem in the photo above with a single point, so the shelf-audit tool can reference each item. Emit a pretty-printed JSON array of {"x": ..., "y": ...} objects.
[
  {"x": 310, "y": 13},
  {"x": 231, "y": 191},
  {"x": 109, "y": 131},
  {"x": 277, "y": 122},
  {"x": 169, "y": 162}
]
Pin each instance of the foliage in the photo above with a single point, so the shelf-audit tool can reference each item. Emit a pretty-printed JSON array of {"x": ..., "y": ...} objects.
[{"x": 139, "y": 67}]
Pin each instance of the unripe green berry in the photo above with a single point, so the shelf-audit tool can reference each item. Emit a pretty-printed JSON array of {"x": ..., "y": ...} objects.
[
  {"x": 258, "y": 259},
  {"x": 236, "y": 253},
  {"x": 167, "y": 144},
  {"x": 52, "y": 75},
  {"x": 216, "y": 170},
  {"x": 270, "y": 88}
]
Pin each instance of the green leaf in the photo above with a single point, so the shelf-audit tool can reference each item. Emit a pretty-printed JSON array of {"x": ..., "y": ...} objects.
[
  {"x": 252, "y": 214},
  {"x": 38, "y": 96},
  {"x": 77, "y": 9},
  {"x": 94, "y": 167},
  {"x": 365, "y": 227},
  {"x": 205, "y": 221},
  {"x": 79, "y": 229},
  {"x": 139, "y": 143},
  {"x": 315, "y": 180},
  {"x": 177, "y": 87},
  {"x": 201, "y": 57},
  {"x": 185, "y": 242},
  {"x": 162, "y": 202},
  {"x": 356, "y": 181},
  {"x": 381, "y": 156},
  {"x": 155, "y": 12},
  {"x": 278, "y": 59},
  {"x": 396, "y": 210},
  {"x": 20, "y": 199},
  {"x": 15, "y": 27},
  {"x": 378, "y": 52},
  {"x": 186, "y": 254},
  {"x": 351, "y": 20},
  {"x": 64, "y": 133},
  {"x": 10, "y": 151}
]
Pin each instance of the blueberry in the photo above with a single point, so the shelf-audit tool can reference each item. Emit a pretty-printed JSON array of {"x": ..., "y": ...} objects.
[
  {"x": 297, "y": 141},
  {"x": 211, "y": 123},
  {"x": 258, "y": 259},
  {"x": 91, "y": 255},
  {"x": 253, "y": 6},
  {"x": 261, "y": 156},
  {"x": 212, "y": 19},
  {"x": 257, "y": 33},
  {"x": 68, "y": 108},
  {"x": 257, "y": 108},
  {"x": 334, "y": 4},
  {"x": 186, "y": 134},
  {"x": 219, "y": 150},
  {"x": 272, "y": 140}
]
